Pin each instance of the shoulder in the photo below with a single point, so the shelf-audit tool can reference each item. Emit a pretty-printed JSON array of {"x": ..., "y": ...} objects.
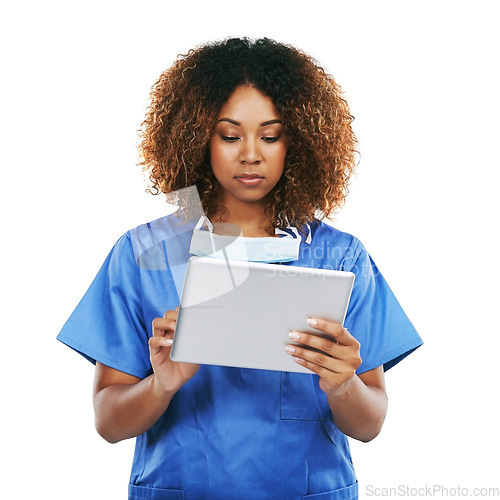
[
  {"x": 170, "y": 230},
  {"x": 335, "y": 243},
  {"x": 323, "y": 231},
  {"x": 329, "y": 248},
  {"x": 148, "y": 240},
  {"x": 162, "y": 228},
  {"x": 149, "y": 245}
]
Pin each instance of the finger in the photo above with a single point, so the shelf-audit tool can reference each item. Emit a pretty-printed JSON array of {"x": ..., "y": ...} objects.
[
  {"x": 332, "y": 375},
  {"x": 163, "y": 326},
  {"x": 320, "y": 351},
  {"x": 336, "y": 330},
  {"x": 171, "y": 314},
  {"x": 322, "y": 371},
  {"x": 332, "y": 371},
  {"x": 157, "y": 342},
  {"x": 315, "y": 361},
  {"x": 325, "y": 344}
]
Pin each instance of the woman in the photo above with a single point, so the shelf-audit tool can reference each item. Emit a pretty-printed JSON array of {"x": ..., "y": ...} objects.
[{"x": 264, "y": 134}]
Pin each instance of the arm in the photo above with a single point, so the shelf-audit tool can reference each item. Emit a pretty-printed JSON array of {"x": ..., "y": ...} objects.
[
  {"x": 358, "y": 403},
  {"x": 360, "y": 411},
  {"x": 126, "y": 406}
]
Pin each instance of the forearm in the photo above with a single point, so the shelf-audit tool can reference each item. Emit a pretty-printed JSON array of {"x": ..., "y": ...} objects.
[
  {"x": 360, "y": 410},
  {"x": 123, "y": 411}
]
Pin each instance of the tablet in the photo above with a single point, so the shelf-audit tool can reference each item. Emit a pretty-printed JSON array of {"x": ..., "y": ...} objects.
[{"x": 239, "y": 314}]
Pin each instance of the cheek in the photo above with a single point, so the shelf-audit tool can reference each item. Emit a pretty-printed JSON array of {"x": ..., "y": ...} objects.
[
  {"x": 280, "y": 159},
  {"x": 219, "y": 156},
  {"x": 212, "y": 150}
]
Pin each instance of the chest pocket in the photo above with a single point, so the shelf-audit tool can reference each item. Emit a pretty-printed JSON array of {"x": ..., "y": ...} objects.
[{"x": 302, "y": 399}]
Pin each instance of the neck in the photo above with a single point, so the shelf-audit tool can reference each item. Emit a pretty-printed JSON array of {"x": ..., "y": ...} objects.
[{"x": 250, "y": 217}]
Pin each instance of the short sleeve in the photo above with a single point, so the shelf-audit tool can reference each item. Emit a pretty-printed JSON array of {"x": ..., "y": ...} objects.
[
  {"x": 375, "y": 317},
  {"x": 108, "y": 324}
]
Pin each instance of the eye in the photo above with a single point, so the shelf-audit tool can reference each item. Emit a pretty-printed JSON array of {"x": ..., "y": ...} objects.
[
  {"x": 229, "y": 138},
  {"x": 270, "y": 140}
]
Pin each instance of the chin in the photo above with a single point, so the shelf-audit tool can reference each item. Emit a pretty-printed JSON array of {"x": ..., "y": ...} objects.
[
  {"x": 251, "y": 199},
  {"x": 249, "y": 194}
]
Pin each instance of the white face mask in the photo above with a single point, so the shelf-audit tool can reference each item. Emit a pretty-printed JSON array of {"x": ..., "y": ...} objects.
[{"x": 205, "y": 243}]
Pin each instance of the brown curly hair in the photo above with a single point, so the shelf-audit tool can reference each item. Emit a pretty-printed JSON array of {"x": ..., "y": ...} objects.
[{"x": 187, "y": 98}]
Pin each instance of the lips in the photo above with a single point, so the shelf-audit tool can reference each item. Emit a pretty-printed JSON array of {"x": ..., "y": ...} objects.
[
  {"x": 249, "y": 179},
  {"x": 249, "y": 176}
]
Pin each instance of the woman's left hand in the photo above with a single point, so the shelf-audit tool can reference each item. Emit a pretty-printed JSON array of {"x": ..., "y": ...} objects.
[{"x": 338, "y": 360}]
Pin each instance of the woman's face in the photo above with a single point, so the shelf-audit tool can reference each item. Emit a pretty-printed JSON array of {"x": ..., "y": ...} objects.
[{"x": 248, "y": 148}]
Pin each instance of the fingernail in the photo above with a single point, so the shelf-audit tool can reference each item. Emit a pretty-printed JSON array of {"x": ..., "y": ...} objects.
[
  {"x": 294, "y": 336},
  {"x": 169, "y": 341},
  {"x": 311, "y": 322},
  {"x": 289, "y": 349}
]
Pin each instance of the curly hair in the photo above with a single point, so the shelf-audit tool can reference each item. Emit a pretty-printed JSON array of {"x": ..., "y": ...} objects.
[{"x": 186, "y": 101}]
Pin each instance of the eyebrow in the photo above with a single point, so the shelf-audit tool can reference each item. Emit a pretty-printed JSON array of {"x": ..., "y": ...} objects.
[{"x": 264, "y": 124}]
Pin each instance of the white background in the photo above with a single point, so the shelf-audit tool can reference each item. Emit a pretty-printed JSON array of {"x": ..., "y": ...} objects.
[{"x": 421, "y": 79}]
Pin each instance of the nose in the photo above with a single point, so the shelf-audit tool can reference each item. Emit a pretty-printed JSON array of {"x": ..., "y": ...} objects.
[{"x": 250, "y": 153}]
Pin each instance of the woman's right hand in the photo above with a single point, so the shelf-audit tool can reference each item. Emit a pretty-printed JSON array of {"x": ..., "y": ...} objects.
[{"x": 170, "y": 375}]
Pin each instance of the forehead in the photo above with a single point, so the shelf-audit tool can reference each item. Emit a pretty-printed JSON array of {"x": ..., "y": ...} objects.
[{"x": 247, "y": 103}]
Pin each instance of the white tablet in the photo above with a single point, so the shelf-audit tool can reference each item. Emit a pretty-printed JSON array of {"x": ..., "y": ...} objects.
[{"x": 236, "y": 313}]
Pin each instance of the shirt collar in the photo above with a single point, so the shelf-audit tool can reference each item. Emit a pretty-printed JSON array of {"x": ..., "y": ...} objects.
[{"x": 290, "y": 231}]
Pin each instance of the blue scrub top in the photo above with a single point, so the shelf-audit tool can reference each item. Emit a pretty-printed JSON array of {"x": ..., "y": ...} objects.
[{"x": 232, "y": 432}]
